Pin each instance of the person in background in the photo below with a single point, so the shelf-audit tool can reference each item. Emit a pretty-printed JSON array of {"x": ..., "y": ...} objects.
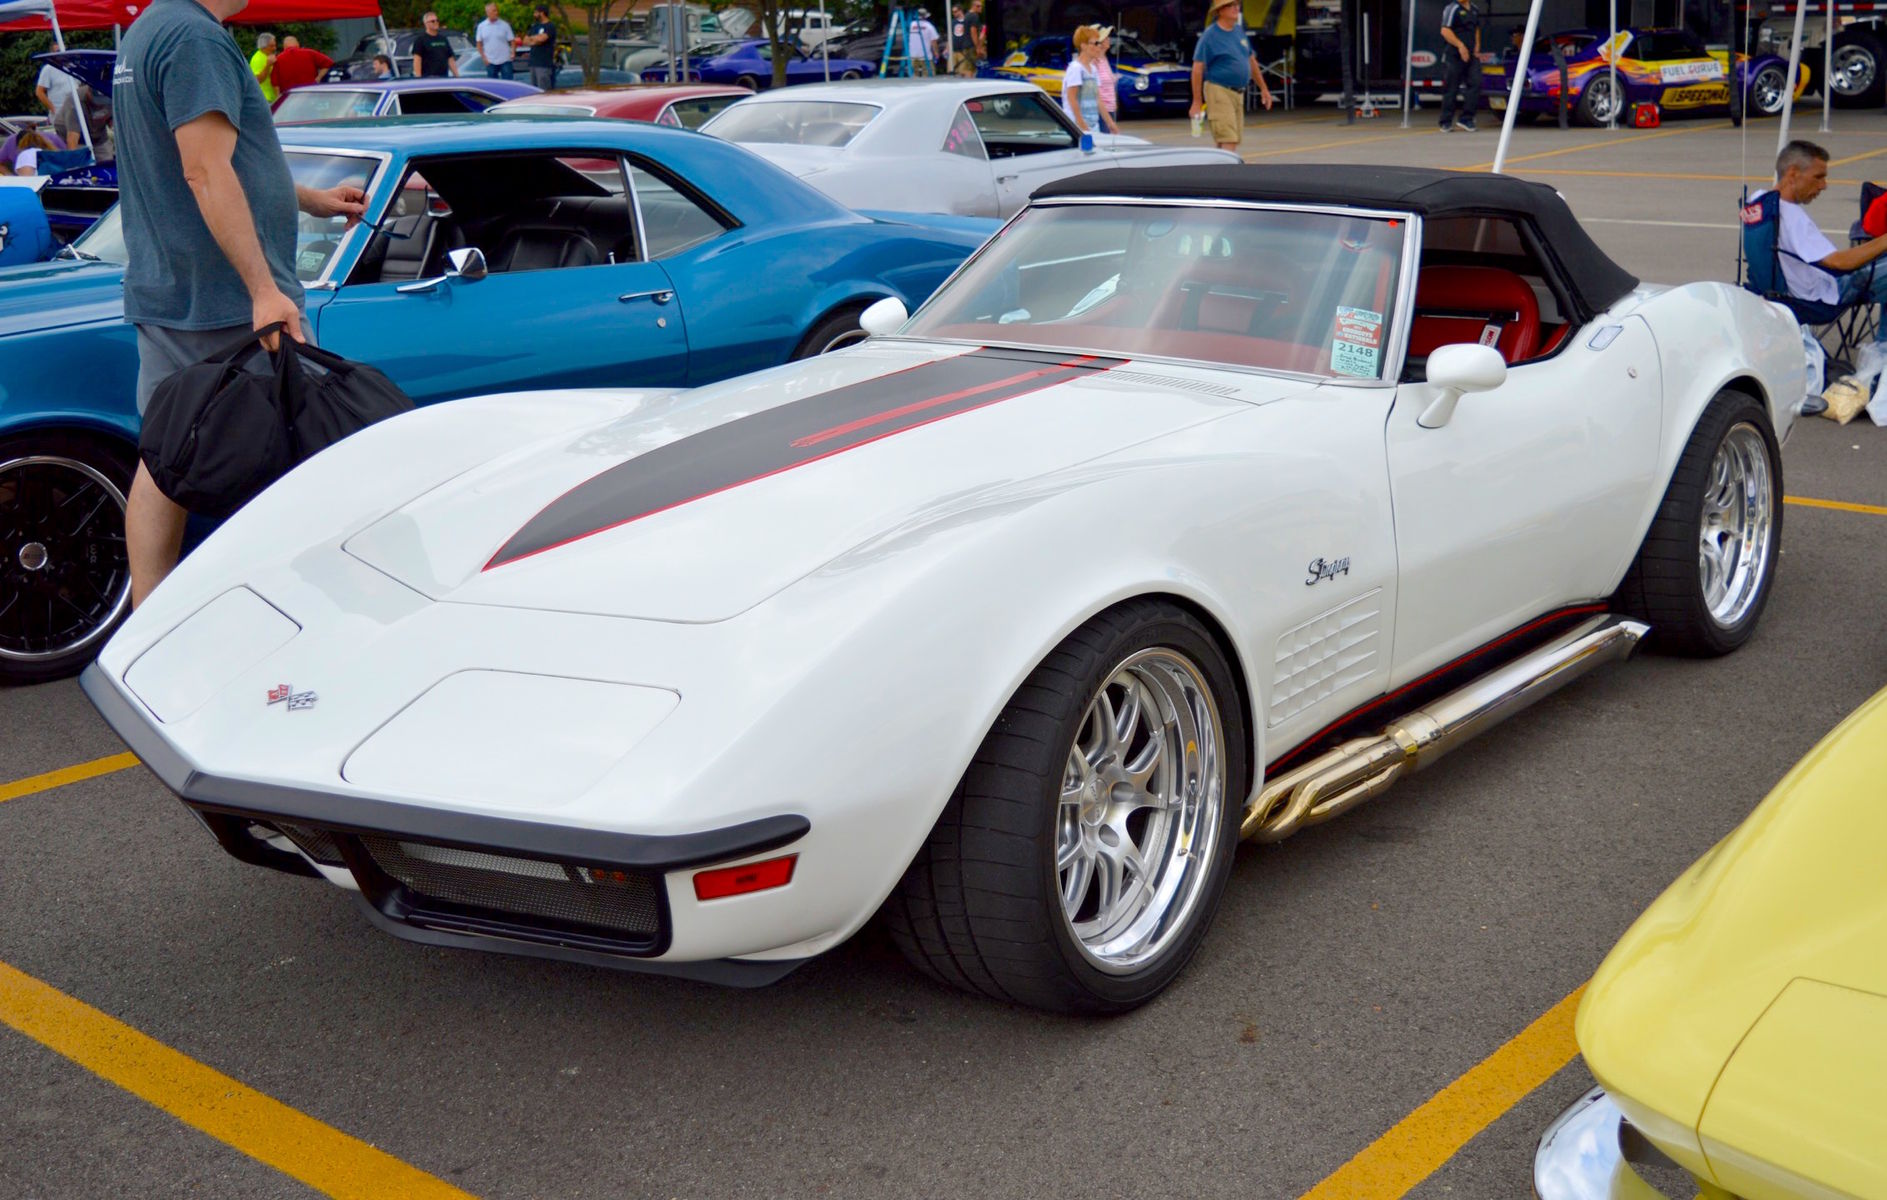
[
  {"x": 1081, "y": 84},
  {"x": 979, "y": 37},
  {"x": 297, "y": 66},
  {"x": 432, "y": 51},
  {"x": 1222, "y": 66},
  {"x": 542, "y": 39},
  {"x": 209, "y": 211},
  {"x": 262, "y": 65},
  {"x": 25, "y": 160},
  {"x": 382, "y": 67},
  {"x": 1812, "y": 267},
  {"x": 495, "y": 37},
  {"x": 923, "y": 44},
  {"x": 959, "y": 39},
  {"x": 57, "y": 91},
  {"x": 1110, "y": 95},
  {"x": 1461, "y": 29}
]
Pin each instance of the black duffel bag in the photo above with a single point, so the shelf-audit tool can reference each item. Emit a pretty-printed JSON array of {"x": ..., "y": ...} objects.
[
  {"x": 217, "y": 433},
  {"x": 329, "y": 397}
]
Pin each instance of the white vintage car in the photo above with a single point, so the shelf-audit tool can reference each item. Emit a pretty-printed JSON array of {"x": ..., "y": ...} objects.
[
  {"x": 969, "y": 147},
  {"x": 1198, "y": 503}
]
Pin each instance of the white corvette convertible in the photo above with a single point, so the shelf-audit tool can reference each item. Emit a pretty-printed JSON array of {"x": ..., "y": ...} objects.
[{"x": 1197, "y": 504}]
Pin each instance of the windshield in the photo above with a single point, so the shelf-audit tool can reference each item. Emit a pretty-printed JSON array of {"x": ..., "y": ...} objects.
[
  {"x": 1273, "y": 289},
  {"x": 317, "y": 239},
  {"x": 325, "y": 104},
  {"x": 793, "y": 122}
]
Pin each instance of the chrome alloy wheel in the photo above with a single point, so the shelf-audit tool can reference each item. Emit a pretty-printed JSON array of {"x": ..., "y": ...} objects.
[
  {"x": 1604, "y": 99},
  {"x": 1737, "y": 533},
  {"x": 1853, "y": 71},
  {"x": 1142, "y": 801},
  {"x": 64, "y": 578},
  {"x": 1766, "y": 90}
]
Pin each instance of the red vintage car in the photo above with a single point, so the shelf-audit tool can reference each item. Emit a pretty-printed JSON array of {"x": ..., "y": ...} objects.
[{"x": 686, "y": 105}]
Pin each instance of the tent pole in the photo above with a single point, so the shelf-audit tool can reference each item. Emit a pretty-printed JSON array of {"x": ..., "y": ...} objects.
[
  {"x": 825, "y": 56},
  {"x": 1795, "y": 66},
  {"x": 1517, "y": 84},
  {"x": 1827, "y": 69},
  {"x": 58, "y": 39},
  {"x": 1408, "y": 68},
  {"x": 1611, "y": 66}
]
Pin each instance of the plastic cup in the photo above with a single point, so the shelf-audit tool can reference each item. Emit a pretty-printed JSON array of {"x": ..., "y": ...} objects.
[{"x": 1087, "y": 142}]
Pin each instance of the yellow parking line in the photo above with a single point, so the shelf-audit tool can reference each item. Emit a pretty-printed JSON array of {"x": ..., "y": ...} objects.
[
  {"x": 267, "y": 1130},
  {"x": 1875, "y": 510},
  {"x": 1416, "y": 1145},
  {"x": 65, "y": 775},
  {"x": 1842, "y": 162},
  {"x": 1601, "y": 144}
]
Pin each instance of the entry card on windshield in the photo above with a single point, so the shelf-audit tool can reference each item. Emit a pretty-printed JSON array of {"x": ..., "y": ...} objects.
[{"x": 1357, "y": 348}]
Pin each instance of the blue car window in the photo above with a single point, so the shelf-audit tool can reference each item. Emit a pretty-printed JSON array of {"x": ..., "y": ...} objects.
[{"x": 325, "y": 104}]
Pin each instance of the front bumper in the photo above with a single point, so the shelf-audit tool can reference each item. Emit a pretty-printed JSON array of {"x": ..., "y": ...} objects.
[
  {"x": 445, "y": 877},
  {"x": 1591, "y": 1152}
]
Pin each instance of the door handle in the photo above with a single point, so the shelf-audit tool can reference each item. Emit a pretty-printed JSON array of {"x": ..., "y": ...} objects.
[
  {"x": 659, "y": 295},
  {"x": 1007, "y": 178}
]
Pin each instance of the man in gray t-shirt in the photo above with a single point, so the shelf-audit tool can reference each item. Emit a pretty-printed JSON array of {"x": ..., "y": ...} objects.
[{"x": 208, "y": 207}]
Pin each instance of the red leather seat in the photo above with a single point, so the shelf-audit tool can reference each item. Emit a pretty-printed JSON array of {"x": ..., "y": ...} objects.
[{"x": 1464, "y": 304}]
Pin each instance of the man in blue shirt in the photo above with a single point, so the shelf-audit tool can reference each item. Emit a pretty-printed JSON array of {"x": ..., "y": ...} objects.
[
  {"x": 1222, "y": 63},
  {"x": 209, "y": 211}
]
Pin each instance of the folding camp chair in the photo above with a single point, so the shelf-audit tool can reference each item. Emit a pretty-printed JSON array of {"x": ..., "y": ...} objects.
[{"x": 1761, "y": 270}]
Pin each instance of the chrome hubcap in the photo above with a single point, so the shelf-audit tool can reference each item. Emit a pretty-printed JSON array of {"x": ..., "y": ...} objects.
[
  {"x": 1604, "y": 101},
  {"x": 1738, "y": 529},
  {"x": 64, "y": 579},
  {"x": 1768, "y": 91},
  {"x": 1853, "y": 70},
  {"x": 1142, "y": 799}
]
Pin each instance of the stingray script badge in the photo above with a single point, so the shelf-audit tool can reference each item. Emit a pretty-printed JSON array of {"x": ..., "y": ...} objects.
[{"x": 1326, "y": 568}]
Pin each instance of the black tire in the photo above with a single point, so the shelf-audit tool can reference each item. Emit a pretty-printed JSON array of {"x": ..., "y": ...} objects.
[
  {"x": 835, "y": 331},
  {"x": 851, "y": 75},
  {"x": 1865, "y": 43},
  {"x": 748, "y": 82},
  {"x": 1586, "y": 111},
  {"x": 63, "y": 589},
  {"x": 1664, "y": 585},
  {"x": 980, "y": 908},
  {"x": 1753, "y": 103}
]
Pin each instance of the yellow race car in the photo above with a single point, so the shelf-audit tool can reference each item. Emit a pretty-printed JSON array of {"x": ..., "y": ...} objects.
[
  {"x": 1668, "y": 67},
  {"x": 1739, "y": 1029}
]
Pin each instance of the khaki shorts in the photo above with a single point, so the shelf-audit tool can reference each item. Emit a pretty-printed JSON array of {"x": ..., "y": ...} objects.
[{"x": 1225, "y": 113}]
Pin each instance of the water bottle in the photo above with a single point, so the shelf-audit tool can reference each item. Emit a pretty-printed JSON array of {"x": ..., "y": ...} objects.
[
  {"x": 1087, "y": 141},
  {"x": 1199, "y": 123}
]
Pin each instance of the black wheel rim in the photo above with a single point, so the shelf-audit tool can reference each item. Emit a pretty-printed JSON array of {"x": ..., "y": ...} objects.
[{"x": 64, "y": 579}]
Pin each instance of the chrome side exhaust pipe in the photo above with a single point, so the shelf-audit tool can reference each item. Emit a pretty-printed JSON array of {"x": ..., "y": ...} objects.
[{"x": 1342, "y": 778}]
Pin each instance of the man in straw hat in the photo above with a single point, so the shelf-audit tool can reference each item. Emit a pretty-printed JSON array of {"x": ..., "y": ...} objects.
[{"x": 1222, "y": 63}]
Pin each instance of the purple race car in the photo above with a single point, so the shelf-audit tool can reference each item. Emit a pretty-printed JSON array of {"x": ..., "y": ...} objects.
[{"x": 1669, "y": 67}]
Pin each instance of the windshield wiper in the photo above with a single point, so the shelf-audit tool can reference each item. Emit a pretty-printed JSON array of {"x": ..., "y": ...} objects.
[{"x": 75, "y": 252}]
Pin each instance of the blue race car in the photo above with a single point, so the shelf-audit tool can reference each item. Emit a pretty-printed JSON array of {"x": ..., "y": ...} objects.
[
  {"x": 405, "y": 97},
  {"x": 749, "y": 63},
  {"x": 502, "y": 253},
  {"x": 1145, "y": 83}
]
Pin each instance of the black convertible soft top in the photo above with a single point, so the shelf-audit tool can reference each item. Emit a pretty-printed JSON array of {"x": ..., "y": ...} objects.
[{"x": 1596, "y": 281}]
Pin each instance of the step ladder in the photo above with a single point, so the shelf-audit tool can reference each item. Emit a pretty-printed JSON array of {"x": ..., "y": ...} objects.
[{"x": 898, "y": 39}]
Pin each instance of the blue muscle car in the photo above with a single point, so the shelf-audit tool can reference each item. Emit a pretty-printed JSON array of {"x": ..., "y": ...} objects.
[
  {"x": 1144, "y": 82},
  {"x": 749, "y": 63},
  {"x": 501, "y": 253},
  {"x": 405, "y": 97}
]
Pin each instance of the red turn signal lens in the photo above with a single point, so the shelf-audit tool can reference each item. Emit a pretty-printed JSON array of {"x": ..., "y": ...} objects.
[{"x": 738, "y": 881}]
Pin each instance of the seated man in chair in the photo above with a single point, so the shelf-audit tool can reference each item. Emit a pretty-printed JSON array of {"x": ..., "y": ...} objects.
[{"x": 1812, "y": 269}]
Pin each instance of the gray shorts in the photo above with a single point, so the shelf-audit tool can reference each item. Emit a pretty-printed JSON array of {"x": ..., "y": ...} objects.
[{"x": 163, "y": 352}]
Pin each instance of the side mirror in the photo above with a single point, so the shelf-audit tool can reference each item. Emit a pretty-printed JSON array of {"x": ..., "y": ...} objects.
[
  {"x": 467, "y": 263},
  {"x": 885, "y": 317},
  {"x": 1455, "y": 371}
]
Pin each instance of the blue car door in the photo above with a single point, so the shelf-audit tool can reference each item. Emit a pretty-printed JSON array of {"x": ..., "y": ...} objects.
[{"x": 567, "y": 295}]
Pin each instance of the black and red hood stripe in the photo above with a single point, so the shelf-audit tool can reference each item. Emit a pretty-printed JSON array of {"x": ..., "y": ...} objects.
[{"x": 789, "y": 436}]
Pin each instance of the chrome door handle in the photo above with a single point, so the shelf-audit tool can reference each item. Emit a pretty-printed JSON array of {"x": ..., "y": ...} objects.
[
  {"x": 1007, "y": 178},
  {"x": 659, "y": 295},
  {"x": 421, "y": 285}
]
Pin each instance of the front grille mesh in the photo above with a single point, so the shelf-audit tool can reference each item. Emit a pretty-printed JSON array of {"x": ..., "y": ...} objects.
[
  {"x": 317, "y": 844},
  {"x": 622, "y": 902}
]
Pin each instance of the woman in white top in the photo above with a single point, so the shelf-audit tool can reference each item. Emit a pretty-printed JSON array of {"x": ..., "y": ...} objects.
[
  {"x": 1081, "y": 84},
  {"x": 27, "y": 162}
]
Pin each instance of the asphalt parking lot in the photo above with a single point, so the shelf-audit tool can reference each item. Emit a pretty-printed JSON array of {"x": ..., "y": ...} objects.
[{"x": 1382, "y": 1008}]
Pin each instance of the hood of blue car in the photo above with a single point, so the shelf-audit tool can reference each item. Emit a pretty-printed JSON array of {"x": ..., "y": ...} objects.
[
  {"x": 50, "y": 294},
  {"x": 90, "y": 67}
]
